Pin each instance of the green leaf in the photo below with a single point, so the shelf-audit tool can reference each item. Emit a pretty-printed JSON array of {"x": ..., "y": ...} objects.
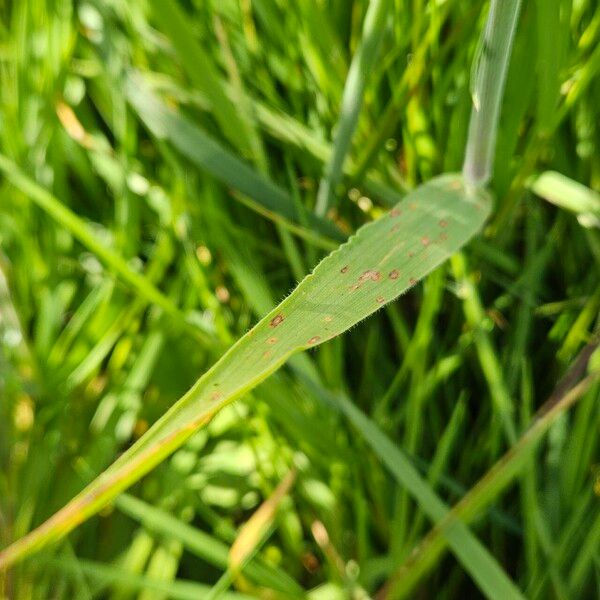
[
  {"x": 384, "y": 259},
  {"x": 570, "y": 195},
  {"x": 208, "y": 154},
  {"x": 85, "y": 234},
  {"x": 490, "y": 69},
  {"x": 202, "y": 545},
  {"x": 201, "y": 70},
  {"x": 472, "y": 554},
  {"x": 352, "y": 99},
  {"x": 110, "y": 575},
  {"x": 493, "y": 482}
]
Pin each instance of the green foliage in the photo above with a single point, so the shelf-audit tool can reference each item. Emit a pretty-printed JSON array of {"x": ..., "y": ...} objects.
[
  {"x": 362, "y": 64},
  {"x": 159, "y": 172},
  {"x": 380, "y": 262},
  {"x": 570, "y": 195}
]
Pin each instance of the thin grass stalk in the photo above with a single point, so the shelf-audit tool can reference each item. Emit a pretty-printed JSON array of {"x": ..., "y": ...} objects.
[
  {"x": 352, "y": 100},
  {"x": 488, "y": 81}
]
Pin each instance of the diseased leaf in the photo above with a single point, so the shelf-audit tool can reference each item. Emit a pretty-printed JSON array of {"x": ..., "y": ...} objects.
[{"x": 384, "y": 259}]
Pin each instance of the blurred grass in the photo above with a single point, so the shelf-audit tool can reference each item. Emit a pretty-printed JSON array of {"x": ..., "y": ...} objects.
[{"x": 451, "y": 374}]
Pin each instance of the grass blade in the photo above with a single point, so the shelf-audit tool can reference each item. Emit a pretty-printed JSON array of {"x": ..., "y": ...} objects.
[
  {"x": 253, "y": 532},
  {"x": 491, "y": 67},
  {"x": 178, "y": 590},
  {"x": 472, "y": 554},
  {"x": 362, "y": 65},
  {"x": 495, "y": 480},
  {"x": 211, "y": 156},
  {"x": 202, "y": 544},
  {"x": 570, "y": 195},
  {"x": 384, "y": 259},
  {"x": 82, "y": 232},
  {"x": 202, "y": 72}
]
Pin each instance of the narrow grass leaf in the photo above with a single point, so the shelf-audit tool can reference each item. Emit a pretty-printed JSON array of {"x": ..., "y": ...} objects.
[
  {"x": 570, "y": 195},
  {"x": 548, "y": 60},
  {"x": 354, "y": 89},
  {"x": 384, "y": 259},
  {"x": 84, "y": 234},
  {"x": 177, "y": 590},
  {"x": 489, "y": 77},
  {"x": 483, "y": 493},
  {"x": 254, "y": 530},
  {"x": 210, "y": 155},
  {"x": 203, "y": 545},
  {"x": 472, "y": 554},
  {"x": 201, "y": 70}
]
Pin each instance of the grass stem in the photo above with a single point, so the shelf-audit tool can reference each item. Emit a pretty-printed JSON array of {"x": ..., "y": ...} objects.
[{"x": 488, "y": 79}]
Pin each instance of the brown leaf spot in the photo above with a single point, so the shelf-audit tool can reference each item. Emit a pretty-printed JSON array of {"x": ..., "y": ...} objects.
[
  {"x": 314, "y": 339},
  {"x": 412, "y": 206},
  {"x": 411, "y": 254},
  {"x": 216, "y": 396},
  {"x": 272, "y": 340},
  {"x": 276, "y": 320},
  {"x": 412, "y": 281},
  {"x": 370, "y": 274},
  {"x": 425, "y": 240},
  {"x": 443, "y": 223},
  {"x": 328, "y": 319},
  {"x": 380, "y": 299},
  {"x": 266, "y": 353},
  {"x": 344, "y": 269},
  {"x": 395, "y": 212},
  {"x": 354, "y": 287},
  {"x": 443, "y": 236},
  {"x": 394, "y": 274}
]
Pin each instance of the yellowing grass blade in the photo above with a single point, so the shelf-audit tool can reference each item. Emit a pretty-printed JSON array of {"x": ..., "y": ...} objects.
[
  {"x": 384, "y": 259},
  {"x": 254, "y": 530}
]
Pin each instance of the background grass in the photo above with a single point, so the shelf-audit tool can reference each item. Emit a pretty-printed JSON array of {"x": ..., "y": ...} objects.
[{"x": 187, "y": 141}]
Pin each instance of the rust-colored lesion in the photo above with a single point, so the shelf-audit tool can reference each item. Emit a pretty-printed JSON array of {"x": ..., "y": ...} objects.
[
  {"x": 370, "y": 275},
  {"x": 277, "y": 320}
]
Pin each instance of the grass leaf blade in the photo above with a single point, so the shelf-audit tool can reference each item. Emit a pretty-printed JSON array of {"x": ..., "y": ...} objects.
[{"x": 384, "y": 259}]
